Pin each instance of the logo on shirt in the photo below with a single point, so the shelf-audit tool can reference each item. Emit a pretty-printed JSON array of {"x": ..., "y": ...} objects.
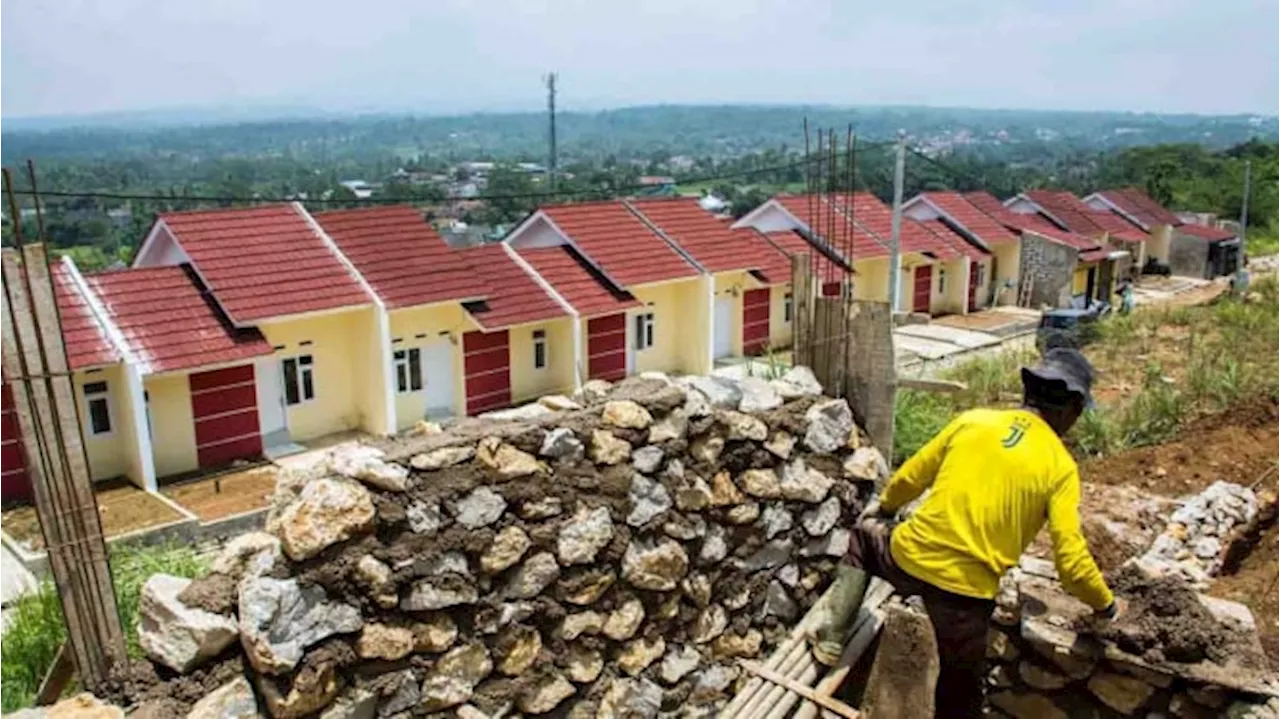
[{"x": 1017, "y": 430}]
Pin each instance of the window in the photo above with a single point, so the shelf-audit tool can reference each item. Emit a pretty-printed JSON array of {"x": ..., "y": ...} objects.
[
  {"x": 408, "y": 370},
  {"x": 539, "y": 349},
  {"x": 644, "y": 331},
  {"x": 981, "y": 275},
  {"x": 99, "y": 404},
  {"x": 942, "y": 282},
  {"x": 299, "y": 379},
  {"x": 787, "y": 307}
]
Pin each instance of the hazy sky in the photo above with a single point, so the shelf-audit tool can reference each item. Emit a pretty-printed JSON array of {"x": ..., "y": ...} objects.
[{"x": 82, "y": 56}]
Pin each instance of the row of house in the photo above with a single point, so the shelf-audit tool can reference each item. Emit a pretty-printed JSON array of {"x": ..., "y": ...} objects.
[{"x": 239, "y": 333}]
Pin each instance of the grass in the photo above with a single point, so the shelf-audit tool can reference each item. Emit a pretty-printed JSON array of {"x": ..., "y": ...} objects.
[
  {"x": 1158, "y": 367},
  {"x": 37, "y": 629},
  {"x": 1262, "y": 240}
]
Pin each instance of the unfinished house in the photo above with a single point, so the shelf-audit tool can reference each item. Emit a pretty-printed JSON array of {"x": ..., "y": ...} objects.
[
  {"x": 1070, "y": 213},
  {"x": 1138, "y": 209},
  {"x": 1202, "y": 251}
]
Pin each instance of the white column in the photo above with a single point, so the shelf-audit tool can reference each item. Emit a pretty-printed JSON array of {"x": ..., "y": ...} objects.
[
  {"x": 710, "y": 334},
  {"x": 141, "y": 433},
  {"x": 579, "y": 373},
  {"x": 388, "y": 380}
]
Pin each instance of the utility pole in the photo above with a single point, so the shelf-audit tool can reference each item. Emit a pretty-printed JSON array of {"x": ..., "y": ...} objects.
[
  {"x": 1244, "y": 227},
  {"x": 551, "y": 116},
  {"x": 895, "y": 257}
]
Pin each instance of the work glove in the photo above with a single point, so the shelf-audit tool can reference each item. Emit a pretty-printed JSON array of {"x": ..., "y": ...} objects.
[{"x": 1113, "y": 613}]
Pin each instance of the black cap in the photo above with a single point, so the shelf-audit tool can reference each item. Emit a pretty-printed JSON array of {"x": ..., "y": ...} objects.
[{"x": 1066, "y": 366}]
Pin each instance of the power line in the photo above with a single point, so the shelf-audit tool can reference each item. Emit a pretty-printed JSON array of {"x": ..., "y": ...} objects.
[{"x": 603, "y": 192}]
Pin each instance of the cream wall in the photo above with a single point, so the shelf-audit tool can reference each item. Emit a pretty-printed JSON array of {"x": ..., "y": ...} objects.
[
  {"x": 173, "y": 430},
  {"x": 1007, "y": 258},
  {"x": 341, "y": 345},
  {"x": 1158, "y": 245},
  {"x": 528, "y": 383},
  {"x": 725, "y": 284},
  {"x": 949, "y": 296},
  {"x": 113, "y": 454},
  {"x": 780, "y": 330},
  {"x": 984, "y": 286},
  {"x": 871, "y": 279},
  {"x": 682, "y": 332},
  {"x": 420, "y": 326}
]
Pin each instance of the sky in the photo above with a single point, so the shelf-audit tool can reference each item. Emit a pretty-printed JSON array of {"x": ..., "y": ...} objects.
[{"x": 72, "y": 57}]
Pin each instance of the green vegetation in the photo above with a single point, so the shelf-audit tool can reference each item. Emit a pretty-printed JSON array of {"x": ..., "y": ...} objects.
[
  {"x": 36, "y": 627},
  {"x": 1158, "y": 368}
]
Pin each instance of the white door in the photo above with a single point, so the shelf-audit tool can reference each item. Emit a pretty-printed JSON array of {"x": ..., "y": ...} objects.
[
  {"x": 724, "y": 327},
  {"x": 273, "y": 420},
  {"x": 437, "y": 364}
]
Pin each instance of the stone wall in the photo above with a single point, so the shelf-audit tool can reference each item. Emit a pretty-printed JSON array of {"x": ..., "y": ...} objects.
[
  {"x": 1048, "y": 266},
  {"x": 614, "y": 554},
  {"x": 1188, "y": 256}
]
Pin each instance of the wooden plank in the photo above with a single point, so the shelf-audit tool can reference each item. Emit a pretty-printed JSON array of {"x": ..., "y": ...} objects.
[
  {"x": 826, "y": 702},
  {"x": 931, "y": 385},
  {"x": 57, "y": 678}
]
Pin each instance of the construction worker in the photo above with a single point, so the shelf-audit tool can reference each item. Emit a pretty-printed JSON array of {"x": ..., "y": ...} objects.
[{"x": 996, "y": 476}]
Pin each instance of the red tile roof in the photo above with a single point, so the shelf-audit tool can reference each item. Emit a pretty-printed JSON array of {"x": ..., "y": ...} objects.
[
  {"x": 1212, "y": 234},
  {"x": 1117, "y": 227},
  {"x": 512, "y": 296},
  {"x": 792, "y": 243},
  {"x": 1094, "y": 255},
  {"x": 264, "y": 262},
  {"x": 401, "y": 256},
  {"x": 847, "y": 238},
  {"x": 574, "y": 279},
  {"x": 619, "y": 242},
  {"x": 776, "y": 263},
  {"x": 1068, "y": 209},
  {"x": 979, "y": 223},
  {"x": 1140, "y": 206},
  {"x": 85, "y": 338},
  {"x": 870, "y": 222},
  {"x": 953, "y": 239},
  {"x": 168, "y": 322},
  {"x": 710, "y": 241},
  {"x": 987, "y": 202}
]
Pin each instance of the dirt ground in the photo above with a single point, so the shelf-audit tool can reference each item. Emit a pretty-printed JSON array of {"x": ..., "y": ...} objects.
[
  {"x": 1254, "y": 584},
  {"x": 213, "y": 498},
  {"x": 122, "y": 506}
]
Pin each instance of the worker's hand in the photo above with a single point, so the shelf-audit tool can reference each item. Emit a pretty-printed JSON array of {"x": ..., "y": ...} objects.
[
  {"x": 1114, "y": 612},
  {"x": 874, "y": 513}
]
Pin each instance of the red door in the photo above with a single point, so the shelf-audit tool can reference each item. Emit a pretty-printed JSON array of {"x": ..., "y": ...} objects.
[
  {"x": 755, "y": 321},
  {"x": 607, "y": 347},
  {"x": 973, "y": 285},
  {"x": 831, "y": 289},
  {"x": 487, "y": 364},
  {"x": 922, "y": 289},
  {"x": 15, "y": 483},
  {"x": 224, "y": 405}
]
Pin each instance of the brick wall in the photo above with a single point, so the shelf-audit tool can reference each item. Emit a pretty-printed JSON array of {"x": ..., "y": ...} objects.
[
  {"x": 1048, "y": 266},
  {"x": 1188, "y": 255}
]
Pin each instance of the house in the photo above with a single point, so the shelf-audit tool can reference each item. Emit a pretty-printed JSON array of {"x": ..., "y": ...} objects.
[
  {"x": 995, "y": 277},
  {"x": 1135, "y": 207},
  {"x": 1071, "y": 213},
  {"x": 853, "y": 232},
  {"x": 1189, "y": 249}
]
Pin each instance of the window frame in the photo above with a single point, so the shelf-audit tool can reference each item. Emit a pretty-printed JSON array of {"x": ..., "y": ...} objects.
[
  {"x": 788, "y": 308},
  {"x": 100, "y": 392},
  {"x": 540, "y": 354},
  {"x": 304, "y": 379},
  {"x": 942, "y": 280},
  {"x": 645, "y": 334},
  {"x": 406, "y": 364}
]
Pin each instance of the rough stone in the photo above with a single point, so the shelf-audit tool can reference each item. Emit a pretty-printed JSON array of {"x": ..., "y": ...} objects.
[
  {"x": 436, "y": 634},
  {"x": 1000, "y": 647},
  {"x": 1026, "y": 705},
  {"x": 583, "y": 536},
  {"x": 781, "y": 444},
  {"x": 778, "y": 603},
  {"x": 583, "y": 665},
  {"x": 625, "y": 620},
  {"x": 720, "y": 392},
  {"x": 822, "y": 518},
  {"x": 327, "y": 511},
  {"x": 561, "y": 443},
  {"x": 480, "y": 508},
  {"x": 431, "y": 593},
  {"x": 366, "y": 464},
  {"x": 715, "y": 546},
  {"x": 558, "y": 403},
  {"x": 546, "y": 695},
  {"x": 631, "y": 699},
  {"x": 1210, "y": 696},
  {"x": 743, "y": 513},
  {"x": 802, "y": 483},
  {"x": 523, "y": 644},
  {"x": 508, "y": 461},
  {"x": 711, "y": 623},
  {"x": 697, "y": 587},
  {"x": 866, "y": 464},
  {"x": 758, "y": 395},
  {"x": 647, "y": 459},
  {"x": 707, "y": 449},
  {"x": 536, "y": 574},
  {"x": 178, "y": 636},
  {"x": 383, "y": 641},
  {"x": 453, "y": 678},
  {"x": 773, "y": 554},
  {"x": 789, "y": 576},
  {"x": 762, "y": 483},
  {"x": 441, "y": 458},
  {"x": 678, "y": 662},
  {"x": 233, "y": 700},
  {"x": 797, "y": 382},
  {"x": 608, "y": 449},
  {"x": 684, "y": 527},
  {"x": 828, "y": 426},
  {"x": 543, "y": 508},
  {"x": 589, "y": 588},
  {"x": 728, "y": 646},
  {"x": 696, "y": 405},
  {"x": 508, "y": 546},
  {"x": 399, "y": 692},
  {"x": 724, "y": 493},
  {"x": 648, "y": 499},
  {"x": 1121, "y": 693},
  {"x": 674, "y": 426},
  {"x": 626, "y": 414},
  {"x": 376, "y": 576},
  {"x": 593, "y": 391},
  {"x": 712, "y": 683},
  {"x": 250, "y": 553},
  {"x": 424, "y": 517},
  {"x": 835, "y": 544},
  {"x": 657, "y": 567},
  {"x": 302, "y": 694},
  {"x": 741, "y": 426},
  {"x": 775, "y": 519},
  {"x": 638, "y": 654},
  {"x": 1037, "y": 677},
  {"x": 279, "y": 619},
  {"x": 692, "y": 494},
  {"x": 576, "y": 625}
]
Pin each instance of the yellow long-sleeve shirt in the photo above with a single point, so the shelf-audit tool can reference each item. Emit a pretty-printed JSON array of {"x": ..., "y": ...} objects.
[{"x": 996, "y": 475}]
